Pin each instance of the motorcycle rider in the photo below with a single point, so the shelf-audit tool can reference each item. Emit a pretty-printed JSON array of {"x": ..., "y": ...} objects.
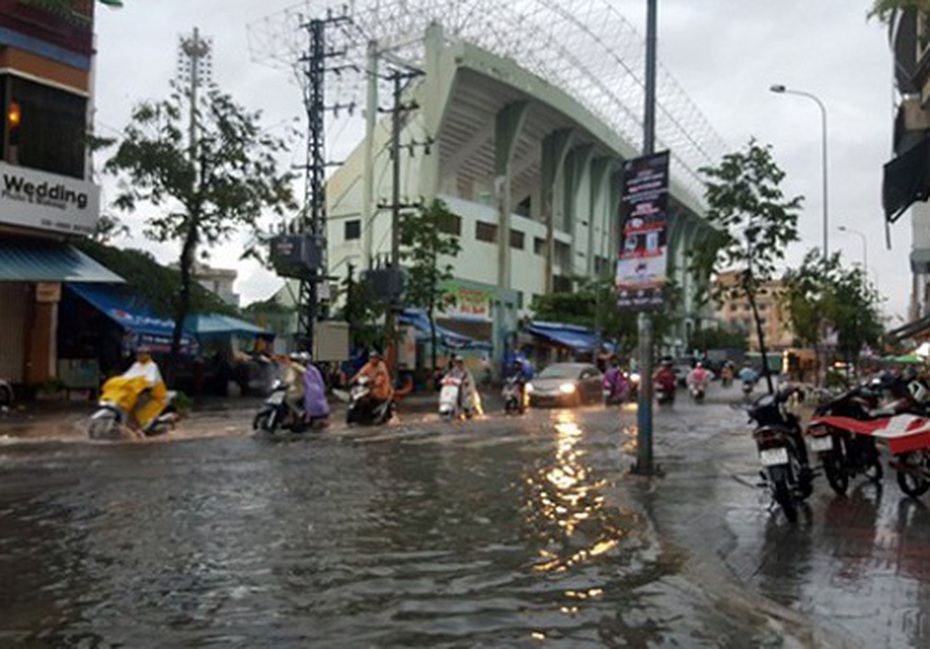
[
  {"x": 665, "y": 378},
  {"x": 748, "y": 377},
  {"x": 380, "y": 388},
  {"x": 726, "y": 374},
  {"x": 615, "y": 384},
  {"x": 316, "y": 407},
  {"x": 469, "y": 400},
  {"x": 698, "y": 377},
  {"x": 140, "y": 390},
  {"x": 294, "y": 379},
  {"x": 516, "y": 371}
]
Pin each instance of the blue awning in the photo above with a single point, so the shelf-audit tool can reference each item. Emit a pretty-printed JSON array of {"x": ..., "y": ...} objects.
[
  {"x": 133, "y": 314},
  {"x": 25, "y": 259},
  {"x": 215, "y": 324},
  {"x": 579, "y": 338},
  {"x": 446, "y": 337}
]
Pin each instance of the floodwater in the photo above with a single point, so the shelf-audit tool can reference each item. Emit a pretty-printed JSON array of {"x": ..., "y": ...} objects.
[{"x": 502, "y": 532}]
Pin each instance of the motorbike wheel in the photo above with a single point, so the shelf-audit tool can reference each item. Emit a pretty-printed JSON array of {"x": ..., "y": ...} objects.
[
  {"x": 785, "y": 500},
  {"x": 266, "y": 421},
  {"x": 873, "y": 469},
  {"x": 6, "y": 397},
  {"x": 836, "y": 476},
  {"x": 912, "y": 480},
  {"x": 103, "y": 428}
]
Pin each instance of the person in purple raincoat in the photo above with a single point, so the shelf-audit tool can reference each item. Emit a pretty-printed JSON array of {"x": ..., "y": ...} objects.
[{"x": 316, "y": 407}]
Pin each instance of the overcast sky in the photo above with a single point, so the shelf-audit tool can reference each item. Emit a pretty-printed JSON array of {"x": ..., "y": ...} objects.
[{"x": 724, "y": 53}]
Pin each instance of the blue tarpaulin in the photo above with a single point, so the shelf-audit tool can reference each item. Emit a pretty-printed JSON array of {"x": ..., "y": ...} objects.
[
  {"x": 579, "y": 338},
  {"x": 133, "y": 314},
  {"x": 446, "y": 337}
]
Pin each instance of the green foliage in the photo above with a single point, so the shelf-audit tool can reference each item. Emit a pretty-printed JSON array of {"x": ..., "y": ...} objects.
[
  {"x": 755, "y": 221},
  {"x": 157, "y": 285},
  {"x": 202, "y": 192},
  {"x": 360, "y": 310},
  {"x": 883, "y": 10},
  {"x": 821, "y": 293},
  {"x": 592, "y": 305},
  {"x": 269, "y": 306},
  {"x": 422, "y": 243}
]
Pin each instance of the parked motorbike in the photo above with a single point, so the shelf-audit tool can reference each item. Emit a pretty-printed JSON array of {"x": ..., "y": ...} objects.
[
  {"x": 514, "y": 395},
  {"x": 777, "y": 434},
  {"x": 844, "y": 454},
  {"x": 132, "y": 408},
  {"x": 276, "y": 414},
  {"x": 362, "y": 410}
]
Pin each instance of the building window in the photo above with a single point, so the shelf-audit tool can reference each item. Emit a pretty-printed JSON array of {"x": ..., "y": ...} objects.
[
  {"x": 561, "y": 284},
  {"x": 485, "y": 232},
  {"x": 353, "y": 229},
  {"x": 539, "y": 246},
  {"x": 451, "y": 224},
  {"x": 516, "y": 239}
]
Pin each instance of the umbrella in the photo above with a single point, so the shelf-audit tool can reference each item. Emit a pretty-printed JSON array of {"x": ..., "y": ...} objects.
[{"x": 908, "y": 359}]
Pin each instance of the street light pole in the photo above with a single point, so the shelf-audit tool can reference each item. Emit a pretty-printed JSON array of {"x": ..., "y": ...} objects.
[
  {"x": 780, "y": 89},
  {"x": 865, "y": 245}
]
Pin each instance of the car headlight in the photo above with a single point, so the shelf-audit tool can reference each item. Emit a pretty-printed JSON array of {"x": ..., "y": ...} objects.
[
  {"x": 529, "y": 387},
  {"x": 567, "y": 388}
]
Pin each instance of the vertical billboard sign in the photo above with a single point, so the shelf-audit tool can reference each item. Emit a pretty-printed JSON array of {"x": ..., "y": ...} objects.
[{"x": 641, "y": 263}]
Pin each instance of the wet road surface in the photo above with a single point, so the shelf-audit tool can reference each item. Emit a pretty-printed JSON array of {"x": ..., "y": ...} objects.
[
  {"x": 495, "y": 533},
  {"x": 517, "y": 532}
]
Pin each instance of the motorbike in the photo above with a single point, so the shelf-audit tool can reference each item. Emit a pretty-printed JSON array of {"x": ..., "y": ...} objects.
[
  {"x": 450, "y": 403},
  {"x": 665, "y": 394},
  {"x": 697, "y": 391},
  {"x": 361, "y": 409},
  {"x": 276, "y": 414},
  {"x": 844, "y": 454},
  {"x": 513, "y": 393},
  {"x": 748, "y": 388},
  {"x": 777, "y": 434},
  {"x": 132, "y": 408}
]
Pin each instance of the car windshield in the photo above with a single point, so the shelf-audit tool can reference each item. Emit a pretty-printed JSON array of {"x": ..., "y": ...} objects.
[{"x": 560, "y": 372}]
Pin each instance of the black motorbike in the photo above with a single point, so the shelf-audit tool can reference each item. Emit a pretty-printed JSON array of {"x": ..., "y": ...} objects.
[
  {"x": 843, "y": 454},
  {"x": 785, "y": 471},
  {"x": 363, "y": 409},
  {"x": 276, "y": 415}
]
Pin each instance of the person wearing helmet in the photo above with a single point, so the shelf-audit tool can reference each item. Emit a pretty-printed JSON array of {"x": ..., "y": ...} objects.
[
  {"x": 380, "y": 379},
  {"x": 665, "y": 376},
  {"x": 469, "y": 400},
  {"x": 698, "y": 377}
]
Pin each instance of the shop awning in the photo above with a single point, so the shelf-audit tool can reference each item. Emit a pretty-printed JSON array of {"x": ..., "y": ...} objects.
[
  {"x": 215, "y": 324},
  {"x": 446, "y": 337},
  {"x": 39, "y": 260},
  {"x": 906, "y": 179},
  {"x": 133, "y": 314},
  {"x": 580, "y": 339}
]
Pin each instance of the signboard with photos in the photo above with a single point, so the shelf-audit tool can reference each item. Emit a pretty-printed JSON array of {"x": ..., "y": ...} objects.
[{"x": 641, "y": 263}]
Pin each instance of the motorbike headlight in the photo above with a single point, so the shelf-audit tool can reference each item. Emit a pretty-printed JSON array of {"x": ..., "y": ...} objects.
[
  {"x": 634, "y": 377},
  {"x": 529, "y": 387},
  {"x": 567, "y": 388}
]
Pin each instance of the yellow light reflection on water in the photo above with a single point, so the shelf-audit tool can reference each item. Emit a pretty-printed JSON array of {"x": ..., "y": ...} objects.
[{"x": 566, "y": 495}]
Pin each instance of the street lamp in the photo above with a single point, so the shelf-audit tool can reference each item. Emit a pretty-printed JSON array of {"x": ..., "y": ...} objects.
[
  {"x": 778, "y": 88},
  {"x": 865, "y": 245}
]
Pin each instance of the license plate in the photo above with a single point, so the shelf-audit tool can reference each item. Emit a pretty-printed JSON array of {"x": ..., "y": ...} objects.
[
  {"x": 773, "y": 456},
  {"x": 276, "y": 399},
  {"x": 820, "y": 444}
]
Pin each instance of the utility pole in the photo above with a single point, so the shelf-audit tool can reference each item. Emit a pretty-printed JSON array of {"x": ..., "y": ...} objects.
[
  {"x": 312, "y": 221},
  {"x": 194, "y": 65},
  {"x": 644, "y": 459}
]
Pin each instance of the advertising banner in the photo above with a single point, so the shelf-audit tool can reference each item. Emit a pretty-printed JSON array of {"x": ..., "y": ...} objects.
[
  {"x": 468, "y": 302},
  {"x": 35, "y": 199},
  {"x": 641, "y": 263}
]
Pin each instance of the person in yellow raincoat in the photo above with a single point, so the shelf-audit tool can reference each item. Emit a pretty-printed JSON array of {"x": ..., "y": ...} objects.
[{"x": 140, "y": 391}]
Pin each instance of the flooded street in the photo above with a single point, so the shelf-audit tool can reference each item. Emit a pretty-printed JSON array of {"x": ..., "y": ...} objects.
[{"x": 500, "y": 532}]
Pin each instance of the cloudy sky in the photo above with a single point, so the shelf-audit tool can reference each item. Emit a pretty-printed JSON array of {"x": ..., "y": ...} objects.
[{"x": 724, "y": 53}]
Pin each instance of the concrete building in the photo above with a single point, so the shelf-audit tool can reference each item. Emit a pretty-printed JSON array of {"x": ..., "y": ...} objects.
[
  {"x": 735, "y": 315},
  {"x": 46, "y": 195},
  {"x": 218, "y": 281},
  {"x": 531, "y": 171}
]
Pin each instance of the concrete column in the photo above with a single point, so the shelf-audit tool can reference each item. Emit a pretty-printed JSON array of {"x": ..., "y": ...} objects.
[
  {"x": 554, "y": 150},
  {"x": 368, "y": 192},
  {"x": 576, "y": 181}
]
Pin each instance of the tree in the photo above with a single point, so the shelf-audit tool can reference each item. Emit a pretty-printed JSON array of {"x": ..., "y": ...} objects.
[
  {"x": 821, "y": 293},
  {"x": 755, "y": 221},
  {"x": 204, "y": 190},
  {"x": 883, "y": 10},
  {"x": 424, "y": 238}
]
